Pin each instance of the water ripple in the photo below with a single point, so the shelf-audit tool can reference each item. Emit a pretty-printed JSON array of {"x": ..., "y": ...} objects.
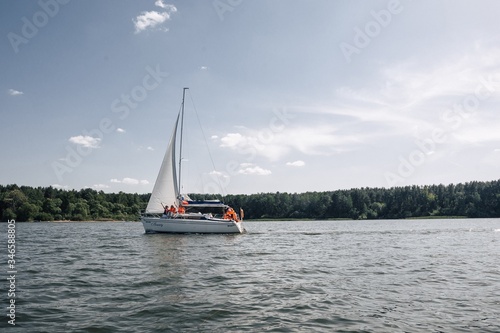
[{"x": 317, "y": 276}]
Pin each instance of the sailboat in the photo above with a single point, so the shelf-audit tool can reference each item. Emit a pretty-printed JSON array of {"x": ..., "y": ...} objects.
[{"x": 169, "y": 211}]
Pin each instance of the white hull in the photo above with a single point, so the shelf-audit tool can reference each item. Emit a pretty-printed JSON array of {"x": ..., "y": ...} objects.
[{"x": 182, "y": 226}]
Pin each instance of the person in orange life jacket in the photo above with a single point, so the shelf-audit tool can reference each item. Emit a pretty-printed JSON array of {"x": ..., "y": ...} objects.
[
  {"x": 230, "y": 214},
  {"x": 172, "y": 210},
  {"x": 181, "y": 210}
]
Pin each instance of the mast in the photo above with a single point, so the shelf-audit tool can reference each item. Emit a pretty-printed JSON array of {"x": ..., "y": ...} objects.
[{"x": 180, "y": 146}]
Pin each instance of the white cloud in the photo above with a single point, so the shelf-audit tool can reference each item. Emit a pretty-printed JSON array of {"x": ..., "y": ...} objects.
[
  {"x": 153, "y": 18},
  {"x": 308, "y": 139},
  {"x": 477, "y": 132},
  {"x": 160, "y": 3},
  {"x": 214, "y": 137},
  {"x": 454, "y": 78},
  {"x": 406, "y": 102},
  {"x": 296, "y": 163},
  {"x": 218, "y": 174},
  {"x": 204, "y": 68},
  {"x": 406, "y": 95},
  {"x": 100, "y": 186},
  {"x": 149, "y": 20},
  {"x": 130, "y": 181},
  {"x": 251, "y": 144},
  {"x": 13, "y": 92},
  {"x": 63, "y": 187},
  {"x": 86, "y": 141},
  {"x": 252, "y": 169},
  {"x": 120, "y": 130},
  {"x": 232, "y": 140},
  {"x": 141, "y": 148}
]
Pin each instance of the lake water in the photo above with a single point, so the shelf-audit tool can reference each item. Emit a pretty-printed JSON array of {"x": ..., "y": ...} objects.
[{"x": 314, "y": 276}]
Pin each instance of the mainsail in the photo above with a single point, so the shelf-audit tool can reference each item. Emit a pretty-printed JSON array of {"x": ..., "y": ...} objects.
[{"x": 166, "y": 190}]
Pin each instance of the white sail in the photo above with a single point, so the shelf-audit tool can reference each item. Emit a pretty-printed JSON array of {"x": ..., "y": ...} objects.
[{"x": 165, "y": 191}]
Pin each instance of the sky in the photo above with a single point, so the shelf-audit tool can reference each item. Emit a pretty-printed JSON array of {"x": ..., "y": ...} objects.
[{"x": 284, "y": 95}]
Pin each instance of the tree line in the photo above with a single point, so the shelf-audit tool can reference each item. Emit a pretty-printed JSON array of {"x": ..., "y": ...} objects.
[
  {"x": 24, "y": 203},
  {"x": 472, "y": 199}
]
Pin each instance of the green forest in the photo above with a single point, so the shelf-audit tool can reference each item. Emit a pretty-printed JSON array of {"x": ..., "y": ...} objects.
[{"x": 472, "y": 199}]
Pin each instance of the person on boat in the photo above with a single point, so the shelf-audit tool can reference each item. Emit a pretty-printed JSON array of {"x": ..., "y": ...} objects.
[
  {"x": 230, "y": 214},
  {"x": 165, "y": 211},
  {"x": 172, "y": 211},
  {"x": 181, "y": 210}
]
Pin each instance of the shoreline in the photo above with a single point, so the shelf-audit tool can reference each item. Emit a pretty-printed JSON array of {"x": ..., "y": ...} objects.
[
  {"x": 274, "y": 220},
  {"x": 348, "y": 219},
  {"x": 86, "y": 221}
]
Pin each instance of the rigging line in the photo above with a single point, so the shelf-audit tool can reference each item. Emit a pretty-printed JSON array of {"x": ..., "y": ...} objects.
[
  {"x": 208, "y": 148},
  {"x": 179, "y": 184},
  {"x": 182, "y": 130}
]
